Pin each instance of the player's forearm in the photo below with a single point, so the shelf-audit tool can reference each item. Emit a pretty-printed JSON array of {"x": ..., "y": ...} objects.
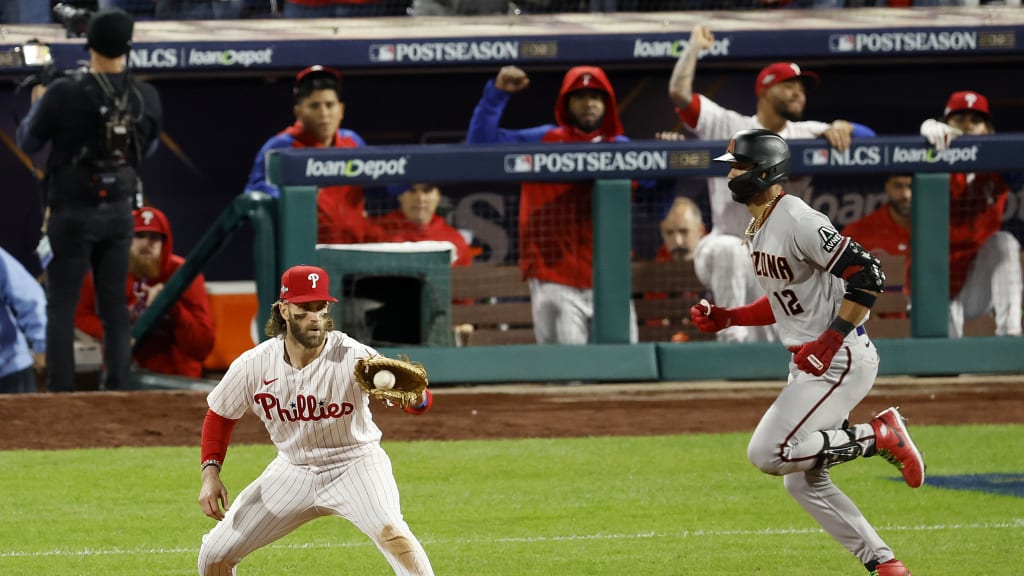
[
  {"x": 853, "y": 312},
  {"x": 680, "y": 85}
]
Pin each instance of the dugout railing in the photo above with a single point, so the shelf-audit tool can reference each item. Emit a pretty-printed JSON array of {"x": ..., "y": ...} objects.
[{"x": 299, "y": 173}]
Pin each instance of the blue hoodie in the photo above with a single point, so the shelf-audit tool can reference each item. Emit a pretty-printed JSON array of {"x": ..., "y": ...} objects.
[{"x": 22, "y": 314}]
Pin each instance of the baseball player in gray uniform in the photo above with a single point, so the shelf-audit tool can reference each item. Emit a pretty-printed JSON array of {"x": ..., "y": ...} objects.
[
  {"x": 301, "y": 384},
  {"x": 720, "y": 260},
  {"x": 819, "y": 288}
]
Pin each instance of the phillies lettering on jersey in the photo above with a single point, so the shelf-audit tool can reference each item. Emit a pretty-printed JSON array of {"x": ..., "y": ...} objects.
[
  {"x": 316, "y": 415},
  {"x": 305, "y": 408}
]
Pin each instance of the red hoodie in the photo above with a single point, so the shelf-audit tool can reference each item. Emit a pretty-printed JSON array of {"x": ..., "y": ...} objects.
[
  {"x": 184, "y": 338},
  {"x": 555, "y": 218},
  {"x": 340, "y": 210},
  {"x": 397, "y": 228}
]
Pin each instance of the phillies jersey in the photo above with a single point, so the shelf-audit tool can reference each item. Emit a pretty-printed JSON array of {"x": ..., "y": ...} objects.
[
  {"x": 713, "y": 122},
  {"x": 317, "y": 415},
  {"x": 793, "y": 253}
]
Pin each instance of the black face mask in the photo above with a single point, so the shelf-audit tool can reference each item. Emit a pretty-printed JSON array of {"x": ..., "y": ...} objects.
[{"x": 745, "y": 186}]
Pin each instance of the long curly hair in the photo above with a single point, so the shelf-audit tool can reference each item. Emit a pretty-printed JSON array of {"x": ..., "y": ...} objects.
[{"x": 276, "y": 324}]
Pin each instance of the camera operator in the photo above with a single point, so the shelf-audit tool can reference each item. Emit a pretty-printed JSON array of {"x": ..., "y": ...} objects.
[{"x": 101, "y": 123}]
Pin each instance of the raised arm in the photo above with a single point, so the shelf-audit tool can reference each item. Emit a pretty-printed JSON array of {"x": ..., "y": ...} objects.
[{"x": 680, "y": 86}]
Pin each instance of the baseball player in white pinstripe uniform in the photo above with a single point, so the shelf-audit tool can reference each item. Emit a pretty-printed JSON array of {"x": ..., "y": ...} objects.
[
  {"x": 300, "y": 383},
  {"x": 819, "y": 289}
]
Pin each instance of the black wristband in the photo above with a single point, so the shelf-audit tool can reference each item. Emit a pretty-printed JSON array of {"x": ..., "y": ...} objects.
[
  {"x": 206, "y": 464},
  {"x": 841, "y": 326}
]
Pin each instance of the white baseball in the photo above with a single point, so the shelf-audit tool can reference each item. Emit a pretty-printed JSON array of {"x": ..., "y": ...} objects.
[{"x": 384, "y": 380}]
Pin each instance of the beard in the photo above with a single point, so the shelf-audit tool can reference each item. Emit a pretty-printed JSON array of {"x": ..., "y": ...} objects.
[
  {"x": 307, "y": 338},
  {"x": 788, "y": 114},
  {"x": 145, "y": 267},
  {"x": 587, "y": 127},
  {"x": 682, "y": 254}
]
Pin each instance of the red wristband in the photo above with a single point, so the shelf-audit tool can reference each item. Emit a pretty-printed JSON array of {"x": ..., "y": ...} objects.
[
  {"x": 428, "y": 401},
  {"x": 216, "y": 436}
]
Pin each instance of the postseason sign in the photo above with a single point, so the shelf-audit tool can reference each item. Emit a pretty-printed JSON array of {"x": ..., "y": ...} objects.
[{"x": 636, "y": 160}]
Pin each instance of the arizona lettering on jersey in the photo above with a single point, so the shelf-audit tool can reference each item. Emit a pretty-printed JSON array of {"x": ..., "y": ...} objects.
[
  {"x": 790, "y": 250},
  {"x": 771, "y": 266}
]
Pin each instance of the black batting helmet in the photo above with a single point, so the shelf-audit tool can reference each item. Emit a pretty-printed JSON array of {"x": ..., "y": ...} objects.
[{"x": 769, "y": 155}]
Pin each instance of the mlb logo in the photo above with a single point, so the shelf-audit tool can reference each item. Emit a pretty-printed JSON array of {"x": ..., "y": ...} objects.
[
  {"x": 816, "y": 157},
  {"x": 842, "y": 43},
  {"x": 518, "y": 163},
  {"x": 382, "y": 53}
]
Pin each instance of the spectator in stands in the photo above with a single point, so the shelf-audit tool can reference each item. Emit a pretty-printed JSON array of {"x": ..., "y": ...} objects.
[
  {"x": 341, "y": 8},
  {"x": 722, "y": 262},
  {"x": 984, "y": 261},
  {"x": 416, "y": 219},
  {"x": 555, "y": 228},
  {"x": 681, "y": 231},
  {"x": 341, "y": 210},
  {"x": 179, "y": 342},
  {"x": 887, "y": 229},
  {"x": 22, "y": 327}
]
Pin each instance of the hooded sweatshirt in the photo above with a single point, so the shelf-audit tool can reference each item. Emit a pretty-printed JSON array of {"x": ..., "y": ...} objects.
[
  {"x": 184, "y": 338},
  {"x": 555, "y": 222},
  {"x": 341, "y": 210}
]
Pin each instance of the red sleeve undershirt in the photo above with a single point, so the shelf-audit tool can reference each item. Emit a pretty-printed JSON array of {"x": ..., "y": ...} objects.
[
  {"x": 216, "y": 436},
  {"x": 759, "y": 313}
]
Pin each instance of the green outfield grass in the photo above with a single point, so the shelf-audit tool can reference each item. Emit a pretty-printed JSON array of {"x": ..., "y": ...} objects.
[{"x": 679, "y": 505}]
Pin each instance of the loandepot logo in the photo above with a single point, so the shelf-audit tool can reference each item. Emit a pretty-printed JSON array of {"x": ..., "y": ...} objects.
[
  {"x": 589, "y": 162},
  {"x": 956, "y": 41},
  {"x": 949, "y": 156},
  {"x": 244, "y": 58},
  {"x": 482, "y": 51},
  {"x": 354, "y": 168},
  {"x": 673, "y": 48}
]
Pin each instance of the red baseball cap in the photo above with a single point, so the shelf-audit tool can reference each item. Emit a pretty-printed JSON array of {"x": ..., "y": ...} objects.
[
  {"x": 305, "y": 284},
  {"x": 967, "y": 100},
  {"x": 316, "y": 70},
  {"x": 780, "y": 72},
  {"x": 149, "y": 219}
]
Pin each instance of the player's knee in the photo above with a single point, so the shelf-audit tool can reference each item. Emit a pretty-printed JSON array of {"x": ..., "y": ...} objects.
[
  {"x": 215, "y": 562},
  {"x": 398, "y": 541},
  {"x": 1006, "y": 245},
  {"x": 764, "y": 458}
]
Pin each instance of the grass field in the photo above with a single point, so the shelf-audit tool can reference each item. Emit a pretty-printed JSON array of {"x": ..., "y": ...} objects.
[{"x": 679, "y": 505}]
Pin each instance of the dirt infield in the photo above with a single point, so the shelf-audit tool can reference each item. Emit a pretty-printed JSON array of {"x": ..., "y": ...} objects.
[{"x": 104, "y": 419}]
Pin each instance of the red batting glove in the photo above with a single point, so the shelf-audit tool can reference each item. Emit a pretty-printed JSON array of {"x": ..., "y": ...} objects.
[
  {"x": 710, "y": 318},
  {"x": 815, "y": 357}
]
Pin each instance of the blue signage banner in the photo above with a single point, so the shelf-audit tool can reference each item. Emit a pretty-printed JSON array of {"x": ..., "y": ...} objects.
[
  {"x": 568, "y": 49},
  {"x": 637, "y": 160}
]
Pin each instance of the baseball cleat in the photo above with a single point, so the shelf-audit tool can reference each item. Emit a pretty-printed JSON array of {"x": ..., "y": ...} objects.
[
  {"x": 891, "y": 568},
  {"x": 892, "y": 441}
]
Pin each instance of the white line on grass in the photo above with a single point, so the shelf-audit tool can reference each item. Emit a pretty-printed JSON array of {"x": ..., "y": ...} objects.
[{"x": 1015, "y": 524}]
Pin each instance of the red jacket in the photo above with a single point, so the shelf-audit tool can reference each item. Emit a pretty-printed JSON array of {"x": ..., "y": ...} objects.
[
  {"x": 878, "y": 232},
  {"x": 340, "y": 210},
  {"x": 976, "y": 206},
  {"x": 555, "y": 218},
  {"x": 184, "y": 338},
  {"x": 397, "y": 228}
]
